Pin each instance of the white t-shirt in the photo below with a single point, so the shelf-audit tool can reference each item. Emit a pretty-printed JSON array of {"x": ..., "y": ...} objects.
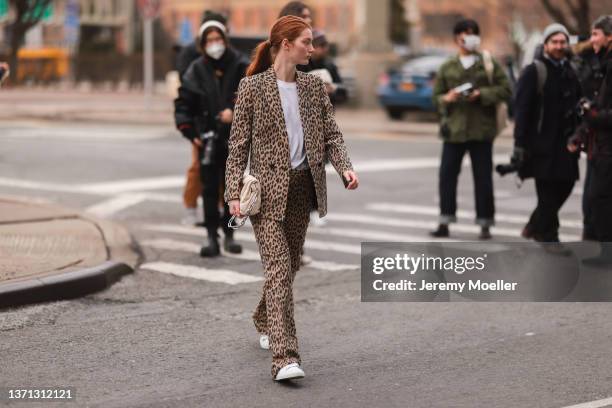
[
  {"x": 291, "y": 111},
  {"x": 468, "y": 60}
]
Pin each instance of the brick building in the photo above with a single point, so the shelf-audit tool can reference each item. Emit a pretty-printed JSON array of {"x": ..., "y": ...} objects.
[{"x": 432, "y": 20}]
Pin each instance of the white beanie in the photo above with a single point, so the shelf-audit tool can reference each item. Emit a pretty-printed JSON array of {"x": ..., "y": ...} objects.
[
  {"x": 553, "y": 29},
  {"x": 211, "y": 23}
]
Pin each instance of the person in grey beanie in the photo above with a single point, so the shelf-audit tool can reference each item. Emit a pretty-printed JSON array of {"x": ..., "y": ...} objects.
[{"x": 546, "y": 97}]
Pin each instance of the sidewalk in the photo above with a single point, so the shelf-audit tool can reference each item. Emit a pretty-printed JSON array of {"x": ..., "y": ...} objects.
[{"x": 49, "y": 253}]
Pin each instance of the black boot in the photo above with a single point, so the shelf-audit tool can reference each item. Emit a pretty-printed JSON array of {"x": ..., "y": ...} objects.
[
  {"x": 485, "y": 234},
  {"x": 229, "y": 244},
  {"x": 441, "y": 232},
  {"x": 212, "y": 249}
]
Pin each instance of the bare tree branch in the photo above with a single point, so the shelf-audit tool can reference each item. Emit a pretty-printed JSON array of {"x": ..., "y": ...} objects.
[
  {"x": 577, "y": 17},
  {"x": 574, "y": 10},
  {"x": 557, "y": 14}
]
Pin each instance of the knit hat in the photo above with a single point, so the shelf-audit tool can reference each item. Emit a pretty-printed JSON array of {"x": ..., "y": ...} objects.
[{"x": 553, "y": 29}]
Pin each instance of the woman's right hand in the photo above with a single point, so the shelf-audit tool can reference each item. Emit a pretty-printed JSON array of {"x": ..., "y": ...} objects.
[{"x": 234, "y": 207}]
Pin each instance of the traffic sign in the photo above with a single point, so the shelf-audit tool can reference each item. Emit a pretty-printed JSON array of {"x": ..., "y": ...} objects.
[{"x": 149, "y": 8}]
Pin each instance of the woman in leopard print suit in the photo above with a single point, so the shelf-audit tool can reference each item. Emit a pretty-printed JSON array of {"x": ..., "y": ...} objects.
[{"x": 284, "y": 120}]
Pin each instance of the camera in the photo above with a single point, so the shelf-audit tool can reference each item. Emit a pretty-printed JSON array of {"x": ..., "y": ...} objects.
[
  {"x": 516, "y": 162},
  {"x": 209, "y": 140},
  {"x": 508, "y": 168},
  {"x": 464, "y": 90},
  {"x": 584, "y": 106}
]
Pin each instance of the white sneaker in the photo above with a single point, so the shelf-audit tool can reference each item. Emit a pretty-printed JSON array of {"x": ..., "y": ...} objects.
[
  {"x": 290, "y": 372},
  {"x": 191, "y": 217},
  {"x": 315, "y": 221},
  {"x": 264, "y": 342},
  {"x": 305, "y": 260}
]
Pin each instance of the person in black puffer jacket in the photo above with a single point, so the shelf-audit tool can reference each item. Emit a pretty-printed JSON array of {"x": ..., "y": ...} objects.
[{"x": 203, "y": 114}]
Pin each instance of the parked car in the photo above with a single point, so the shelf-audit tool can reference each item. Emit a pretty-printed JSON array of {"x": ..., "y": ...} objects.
[{"x": 410, "y": 87}]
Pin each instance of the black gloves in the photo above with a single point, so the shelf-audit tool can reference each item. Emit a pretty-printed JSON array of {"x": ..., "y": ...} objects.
[{"x": 188, "y": 132}]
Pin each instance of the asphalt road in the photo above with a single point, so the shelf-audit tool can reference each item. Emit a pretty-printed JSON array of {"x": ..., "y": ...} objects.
[{"x": 178, "y": 332}]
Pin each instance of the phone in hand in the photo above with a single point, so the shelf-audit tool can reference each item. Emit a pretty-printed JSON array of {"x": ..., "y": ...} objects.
[{"x": 345, "y": 181}]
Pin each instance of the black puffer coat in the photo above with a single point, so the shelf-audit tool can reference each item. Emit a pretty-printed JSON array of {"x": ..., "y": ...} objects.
[{"x": 208, "y": 87}]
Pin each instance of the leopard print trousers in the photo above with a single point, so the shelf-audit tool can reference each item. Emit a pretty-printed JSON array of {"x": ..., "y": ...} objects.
[{"x": 280, "y": 246}]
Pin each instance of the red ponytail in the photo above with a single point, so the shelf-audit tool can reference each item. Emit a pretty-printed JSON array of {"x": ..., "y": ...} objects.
[{"x": 289, "y": 27}]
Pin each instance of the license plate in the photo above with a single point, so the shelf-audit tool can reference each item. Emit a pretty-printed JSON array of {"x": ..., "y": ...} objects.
[{"x": 407, "y": 86}]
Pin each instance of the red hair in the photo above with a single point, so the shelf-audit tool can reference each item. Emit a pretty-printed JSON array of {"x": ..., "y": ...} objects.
[{"x": 289, "y": 27}]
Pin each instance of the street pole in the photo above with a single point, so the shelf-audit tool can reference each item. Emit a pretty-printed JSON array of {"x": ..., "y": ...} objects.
[{"x": 148, "y": 61}]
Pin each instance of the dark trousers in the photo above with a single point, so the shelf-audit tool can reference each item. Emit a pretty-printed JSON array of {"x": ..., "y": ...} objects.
[
  {"x": 481, "y": 154},
  {"x": 600, "y": 198},
  {"x": 213, "y": 180},
  {"x": 544, "y": 221},
  {"x": 587, "y": 220}
]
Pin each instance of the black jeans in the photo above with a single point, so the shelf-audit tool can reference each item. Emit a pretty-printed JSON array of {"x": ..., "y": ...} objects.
[
  {"x": 600, "y": 198},
  {"x": 544, "y": 221},
  {"x": 481, "y": 154},
  {"x": 213, "y": 180}
]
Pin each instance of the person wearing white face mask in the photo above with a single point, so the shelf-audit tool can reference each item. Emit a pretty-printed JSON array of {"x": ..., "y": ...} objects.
[
  {"x": 204, "y": 114},
  {"x": 468, "y": 89}
]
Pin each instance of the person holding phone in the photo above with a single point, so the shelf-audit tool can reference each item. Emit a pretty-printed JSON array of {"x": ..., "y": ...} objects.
[
  {"x": 285, "y": 122},
  {"x": 468, "y": 88}
]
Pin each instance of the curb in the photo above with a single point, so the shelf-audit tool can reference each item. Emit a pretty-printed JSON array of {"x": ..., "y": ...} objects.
[{"x": 69, "y": 285}]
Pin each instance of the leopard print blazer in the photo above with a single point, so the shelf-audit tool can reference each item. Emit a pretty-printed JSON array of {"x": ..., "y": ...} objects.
[{"x": 259, "y": 130}]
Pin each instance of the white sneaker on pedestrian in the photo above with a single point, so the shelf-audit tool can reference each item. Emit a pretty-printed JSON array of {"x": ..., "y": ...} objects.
[
  {"x": 290, "y": 372},
  {"x": 315, "y": 221},
  {"x": 264, "y": 342},
  {"x": 305, "y": 260},
  {"x": 191, "y": 217}
]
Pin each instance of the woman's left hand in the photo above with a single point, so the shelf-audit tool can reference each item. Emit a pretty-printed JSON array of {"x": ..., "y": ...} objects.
[
  {"x": 353, "y": 180},
  {"x": 226, "y": 116}
]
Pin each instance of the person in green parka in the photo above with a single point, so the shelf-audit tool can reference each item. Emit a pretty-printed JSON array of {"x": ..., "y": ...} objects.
[{"x": 467, "y": 90}]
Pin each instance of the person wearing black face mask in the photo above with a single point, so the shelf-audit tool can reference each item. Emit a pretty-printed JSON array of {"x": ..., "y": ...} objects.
[
  {"x": 545, "y": 105},
  {"x": 203, "y": 114}
]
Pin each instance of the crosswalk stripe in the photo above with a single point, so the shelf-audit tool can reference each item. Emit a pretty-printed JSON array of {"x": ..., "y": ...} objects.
[
  {"x": 249, "y": 237},
  {"x": 374, "y": 166},
  {"x": 593, "y": 404},
  {"x": 429, "y": 210},
  {"x": 176, "y": 181},
  {"x": 134, "y": 185},
  {"x": 211, "y": 275},
  {"x": 247, "y": 255},
  {"x": 418, "y": 224},
  {"x": 113, "y": 205}
]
